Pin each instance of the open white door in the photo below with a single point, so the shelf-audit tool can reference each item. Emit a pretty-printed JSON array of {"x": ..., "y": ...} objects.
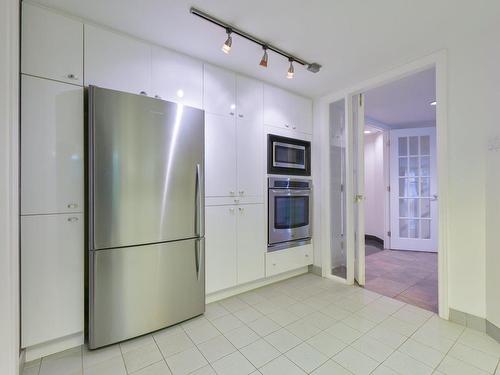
[
  {"x": 358, "y": 124},
  {"x": 413, "y": 189}
]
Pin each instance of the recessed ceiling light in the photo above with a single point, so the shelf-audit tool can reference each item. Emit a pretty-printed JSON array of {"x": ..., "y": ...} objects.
[
  {"x": 368, "y": 132},
  {"x": 433, "y": 103}
]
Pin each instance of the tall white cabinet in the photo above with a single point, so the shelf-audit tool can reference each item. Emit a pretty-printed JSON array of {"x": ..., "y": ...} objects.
[{"x": 52, "y": 180}]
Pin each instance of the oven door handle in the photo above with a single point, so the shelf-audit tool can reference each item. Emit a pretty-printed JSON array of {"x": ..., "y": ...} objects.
[{"x": 290, "y": 192}]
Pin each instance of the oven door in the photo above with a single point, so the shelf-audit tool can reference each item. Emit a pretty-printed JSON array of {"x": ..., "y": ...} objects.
[
  {"x": 286, "y": 155},
  {"x": 289, "y": 215}
]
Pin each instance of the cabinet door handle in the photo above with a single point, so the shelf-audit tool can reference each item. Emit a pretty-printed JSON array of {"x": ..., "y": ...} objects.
[
  {"x": 157, "y": 97},
  {"x": 242, "y": 192},
  {"x": 240, "y": 115},
  {"x": 286, "y": 125},
  {"x": 72, "y": 76},
  {"x": 72, "y": 219},
  {"x": 231, "y": 209},
  {"x": 72, "y": 205},
  {"x": 231, "y": 113},
  {"x": 231, "y": 192},
  {"x": 295, "y": 127},
  {"x": 236, "y": 201},
  {"x": 241, "y": 209},
  {"x": 143, "y": 93}
]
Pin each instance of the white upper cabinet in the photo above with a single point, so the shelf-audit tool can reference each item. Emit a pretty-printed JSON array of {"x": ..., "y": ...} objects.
[
  {"x": 252, "y": 245},
  {"x": 52, "y": 45},
  {"x": 249, "y": 99},
  {"x": 51, "y": 147},
  {"x": 52, "y": 277},
  {"x": 220, "y": 156},
  {"x": 288, "y": 111},
  {"x": 116, "y": 62},
  {"x": 250, "y": 157},
  {"x": 177, "y": 78},
  {"x": 221, "y": 253},
  {"x": 219, "y": 91}
]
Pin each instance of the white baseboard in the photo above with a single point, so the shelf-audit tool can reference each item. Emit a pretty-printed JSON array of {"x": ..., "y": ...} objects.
[
  {"x": 22, "y": 360},
  {"x": 216, "y": 296},
  {"x": 54, "y": 346}
]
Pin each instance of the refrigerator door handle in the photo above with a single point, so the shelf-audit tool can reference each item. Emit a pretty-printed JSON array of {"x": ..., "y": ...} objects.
[
  {"x": 199, "y": 230},
  {"x": 199, "y": 250}
]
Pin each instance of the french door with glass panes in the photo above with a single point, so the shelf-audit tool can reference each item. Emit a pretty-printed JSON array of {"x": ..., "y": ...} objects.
[{"x": 413, "y": 189}]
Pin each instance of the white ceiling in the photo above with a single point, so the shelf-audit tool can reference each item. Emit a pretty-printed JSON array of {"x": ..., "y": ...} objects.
[
  {"x": 352, "y": 39},
  {"x": 405, "y": 102}
]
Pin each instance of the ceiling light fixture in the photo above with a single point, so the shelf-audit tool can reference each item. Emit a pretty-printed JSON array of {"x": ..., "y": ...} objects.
[
  {"x": 291, "y": 71},
  {"x": 226, "y": 47},
  {"x": 368, "y": 132},
  {"x": 310, "y": 66},
  {"x": 433, "y": 103},
  {"x": 265, "y": 58}
]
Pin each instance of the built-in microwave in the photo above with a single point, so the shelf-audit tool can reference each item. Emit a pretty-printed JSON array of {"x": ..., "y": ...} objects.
[{"x": 288, "y": 156}]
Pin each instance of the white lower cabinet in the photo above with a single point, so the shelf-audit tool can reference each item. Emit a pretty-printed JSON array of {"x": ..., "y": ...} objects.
[
  {"x": 220, "y": 247},
  {"x": 235, "y": 245},
  {"x": 251, "y": 239},
  {"x": 52, "y": 277},
  {"x": 288, "y": 259}
]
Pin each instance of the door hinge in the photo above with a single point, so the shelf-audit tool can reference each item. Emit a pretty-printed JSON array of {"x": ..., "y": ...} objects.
[
  {"x": 389, "y": 234},
  {"x": 360, "y": 100},
  {"x": 389, "y": 189},
  {"x": 341, "y": 187}
]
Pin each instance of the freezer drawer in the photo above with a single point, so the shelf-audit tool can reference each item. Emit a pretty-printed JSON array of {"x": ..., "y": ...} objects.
[{"x": 136, "y": 290}]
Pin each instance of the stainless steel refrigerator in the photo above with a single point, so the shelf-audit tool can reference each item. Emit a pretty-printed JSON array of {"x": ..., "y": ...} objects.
[{"x": 145, "y": 215}]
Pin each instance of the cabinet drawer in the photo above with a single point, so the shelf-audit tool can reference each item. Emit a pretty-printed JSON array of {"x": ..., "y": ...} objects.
[
  {"x": 52, "y": 277},
  {"x": 288, "y": 259}
]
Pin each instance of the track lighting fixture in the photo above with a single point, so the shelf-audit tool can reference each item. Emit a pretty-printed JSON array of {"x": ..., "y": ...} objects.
[
  {"x": 291, "y": 71},
  {"x": 226, "y": 47},
  {"x": 265, "y": 58}
]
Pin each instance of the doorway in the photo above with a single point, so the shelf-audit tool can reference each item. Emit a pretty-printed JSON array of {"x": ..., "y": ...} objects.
[
  {"x": 400, "y": 191},
  {"x": 343, "y": 219}
]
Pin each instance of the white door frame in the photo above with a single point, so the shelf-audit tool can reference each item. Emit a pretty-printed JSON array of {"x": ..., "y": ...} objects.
[
  {"x": 9, "y": 189},
  {"x": 437, "y": 60}
]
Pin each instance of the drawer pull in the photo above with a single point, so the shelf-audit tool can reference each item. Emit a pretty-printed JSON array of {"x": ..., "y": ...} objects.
[
  {"x": 72, "y": 219},
  {"x": 307, "y": 255},
  {"x": 72, "y": 205},
  {"x": 72, "y": 76}
]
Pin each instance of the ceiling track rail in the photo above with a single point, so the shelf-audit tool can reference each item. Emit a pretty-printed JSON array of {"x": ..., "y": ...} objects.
[{"x": 311, "y": 66}]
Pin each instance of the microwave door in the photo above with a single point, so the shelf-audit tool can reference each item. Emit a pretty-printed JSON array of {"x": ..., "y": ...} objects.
[{"x": 286, "y": 155}]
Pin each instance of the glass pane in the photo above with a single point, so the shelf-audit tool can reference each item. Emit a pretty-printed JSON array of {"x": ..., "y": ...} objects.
[
  {"x": 403, "y": 166},
  {"x": 402, "y": 187},
  {"x": 412, "y": 187},
  {"x": 425, "y": 166},
  {"x": 403, "y": 228},
  {"x": 403, "y": 207},
  {"x": 291, "y": 212},
  {"x": 337, "y": 155},
  {"x": 413, "y": 228},
  {"x": 414, "y": 166},
  {"x": 413, "y": 145},
  {"x": 413, "y": 207},
  {"x": 425, "y": 147},
  {"x": 403, "y": 146},
  {"x": 425, "y": 228},
  {"x": 425, "y": 207},
  {"x": 425, "y": 188}
]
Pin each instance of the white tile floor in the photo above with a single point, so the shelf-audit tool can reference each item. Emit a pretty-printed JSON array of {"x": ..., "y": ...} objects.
[{"x": 302, "y": 325}]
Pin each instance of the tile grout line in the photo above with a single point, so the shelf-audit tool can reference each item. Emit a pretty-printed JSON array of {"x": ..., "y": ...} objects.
[{"x": 164, "y": 359}]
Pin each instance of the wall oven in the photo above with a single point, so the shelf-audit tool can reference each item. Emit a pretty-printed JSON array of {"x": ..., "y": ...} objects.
[
  {"x": 288, "y": 156},
  {"x": 290, "y": 207}
]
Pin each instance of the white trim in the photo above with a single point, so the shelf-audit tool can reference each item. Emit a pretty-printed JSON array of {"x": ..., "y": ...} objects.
[
  {"x": 387, "y": 193},
  {"x": 9, "y": 190},
  {"x": 439, "y": 61},
  {"x": 54, "y": 346},
  {"x": 216, "y": 296}
]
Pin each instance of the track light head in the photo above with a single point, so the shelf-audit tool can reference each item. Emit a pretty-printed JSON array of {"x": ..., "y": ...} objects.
[
  {"x": 265, "y": 58},
  {"x": 291, "y": 71},
  {"x": 226, "y": 47}
]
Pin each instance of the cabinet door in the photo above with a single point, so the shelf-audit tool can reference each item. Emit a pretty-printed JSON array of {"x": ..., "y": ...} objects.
[
  {"x": 52, "y": 45},
  {"x": 249, "y": 99},
  {"x": 219, "y": 91},
  {"x": 51, "y": 147},
  {"x": 278, "y": 107},
  {"x": 303, "y": 115},
  {"x": 220, "y": 156},
  {"x": 116, "y": 62},
  {"x": 177, "y": 78},
  {"x": 250, "y": 155},
  {"x": 220, "y": 249},
  {"x": 251, "y": 242},
  {"x": 52, "y": 272}
]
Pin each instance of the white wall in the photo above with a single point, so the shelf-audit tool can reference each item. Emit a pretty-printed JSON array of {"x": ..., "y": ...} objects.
[
  {"x": 9, "y": 249},
  {"x": 375, "y": 192}
]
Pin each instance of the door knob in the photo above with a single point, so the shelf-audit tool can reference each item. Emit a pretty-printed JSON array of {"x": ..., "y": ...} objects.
[
  {"x": 358, "y": 198},
  {"x": 434, "y": 197}
]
